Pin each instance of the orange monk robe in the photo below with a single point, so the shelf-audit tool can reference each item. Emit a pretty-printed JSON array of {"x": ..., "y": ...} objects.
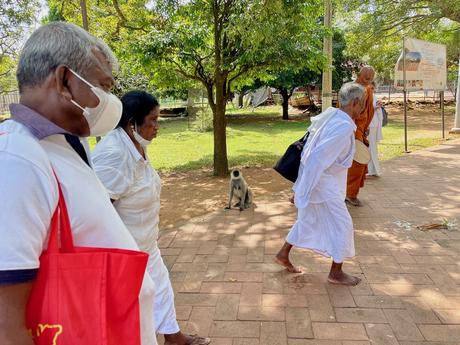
[{"x": 357, "y": 172}]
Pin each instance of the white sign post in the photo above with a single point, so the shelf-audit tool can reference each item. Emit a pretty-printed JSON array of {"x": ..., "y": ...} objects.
[
  {"x": 456, "y": 128},
  {"x": 421, "y": 66}
]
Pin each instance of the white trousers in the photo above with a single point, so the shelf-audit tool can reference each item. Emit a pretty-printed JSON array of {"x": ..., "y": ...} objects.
[
  {"x": 146, "y": 301},
  {"x": 164, "y": 311},
  {"x": 373, "y": 166}
]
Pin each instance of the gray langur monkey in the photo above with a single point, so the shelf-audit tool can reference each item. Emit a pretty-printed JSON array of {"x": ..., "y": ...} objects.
[{"x": 240, "y": 190}]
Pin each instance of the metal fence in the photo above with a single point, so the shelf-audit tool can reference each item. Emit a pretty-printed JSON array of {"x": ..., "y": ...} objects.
[
  {"x": 6, "y": 99},
  {"x": 397, "y": 95},
  {"x": 390, "y": 93}
]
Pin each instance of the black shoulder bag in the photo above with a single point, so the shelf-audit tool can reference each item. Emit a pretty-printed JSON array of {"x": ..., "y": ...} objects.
[
  {"x": 288, "y": 165},
  {"x": 385, "y": 117}
]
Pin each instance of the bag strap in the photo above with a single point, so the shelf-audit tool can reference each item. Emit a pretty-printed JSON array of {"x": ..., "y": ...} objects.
[
  {"x": 60, "y": 225},
  {"x": 305, "y": 137}
]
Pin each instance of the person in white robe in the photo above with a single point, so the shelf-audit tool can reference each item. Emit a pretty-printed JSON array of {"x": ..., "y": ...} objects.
[
  {"x": 323, "y": 222},
  {"x": 121, "y": 163},
  {"x": 375, "y": 136}
]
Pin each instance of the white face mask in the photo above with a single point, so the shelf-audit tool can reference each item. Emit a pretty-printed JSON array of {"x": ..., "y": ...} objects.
[
  {"x": 105, "y": 116},
  {"x": 139, "y": 138}
]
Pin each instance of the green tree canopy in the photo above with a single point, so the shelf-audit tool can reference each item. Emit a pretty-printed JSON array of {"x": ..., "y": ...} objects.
[
  {"x": 218, "y": 42},
  {"x": 288, "y": 79},
  {"x": 213, "y": 43},
  {"x": 16, "y": 16},
  {"x": 399, "y": 16},
  {"x": 308, "y": 71},
  {"x": 375, "y": 28}
]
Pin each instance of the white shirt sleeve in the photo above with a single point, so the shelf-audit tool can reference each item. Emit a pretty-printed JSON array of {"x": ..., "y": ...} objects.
[
  {"x": 112, "y": 170},
  {"x": 321, "y": 157},
  {"x": 28, "y": 199}
]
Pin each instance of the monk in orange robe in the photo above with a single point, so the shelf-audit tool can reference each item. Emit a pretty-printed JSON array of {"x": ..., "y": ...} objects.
[{"x": 357, "y": 172}]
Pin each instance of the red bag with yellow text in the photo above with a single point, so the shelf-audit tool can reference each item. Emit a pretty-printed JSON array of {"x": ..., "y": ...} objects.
[{"x": 82, "y": 295}]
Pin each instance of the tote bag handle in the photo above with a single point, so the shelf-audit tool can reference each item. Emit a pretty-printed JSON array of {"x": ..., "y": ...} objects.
[{"x": 60, "y": 228}]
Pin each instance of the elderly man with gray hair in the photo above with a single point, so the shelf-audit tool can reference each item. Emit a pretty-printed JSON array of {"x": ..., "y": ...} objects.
[
  {"x": 65, "y": 77},
  {"x": 323, "y": 222}
]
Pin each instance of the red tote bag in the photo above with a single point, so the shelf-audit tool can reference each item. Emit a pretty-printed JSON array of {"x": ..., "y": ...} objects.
[{"x": 85, "y": 296}]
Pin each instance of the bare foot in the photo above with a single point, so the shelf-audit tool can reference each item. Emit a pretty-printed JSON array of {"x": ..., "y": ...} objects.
[
  {"x": 185, "y": 339},
  {"x": 286, "y": 264},
  {"x": 196, "y": 340},
  {"x": 342, "y": 278},
  {"x": 354, "y": 201}
]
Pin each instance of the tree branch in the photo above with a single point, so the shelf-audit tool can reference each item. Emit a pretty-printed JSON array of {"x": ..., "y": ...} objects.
[
  {"x": 199, "y": 67},
  {"x": 4, "y": 74},
  {"x": 212, "y": 104},
  {"x": 123, "y": 21},
  {"x": 246, "y": 68},
  {"x": 406, "y": 21},
  {"x": 180, "y": 70}
]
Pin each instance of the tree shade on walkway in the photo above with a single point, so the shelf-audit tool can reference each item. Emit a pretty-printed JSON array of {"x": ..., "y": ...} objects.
[{"x": 228, "y": 288}]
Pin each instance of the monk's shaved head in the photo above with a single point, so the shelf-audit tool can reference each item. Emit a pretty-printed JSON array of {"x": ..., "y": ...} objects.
[
  {"x": 366, "y": 69},
  {"x": 366, "y": 75}
]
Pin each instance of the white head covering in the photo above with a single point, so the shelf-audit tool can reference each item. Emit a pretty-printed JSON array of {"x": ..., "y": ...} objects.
[
  {"x": 317, "y": 124},
  {"x": 318, "y": 121}
]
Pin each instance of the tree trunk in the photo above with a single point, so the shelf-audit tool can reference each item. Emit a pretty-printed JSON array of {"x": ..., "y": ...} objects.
[
  {"x": 220, "y": 82},
  {"x": 220, "y": 135},
  {"x": 84, "y": 15},
  {"x": 285, "y": 94},
  {"x": 240, "y": 99}
]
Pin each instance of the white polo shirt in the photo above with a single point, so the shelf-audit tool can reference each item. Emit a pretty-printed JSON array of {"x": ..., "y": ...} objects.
[{"x": 28, "y": 194}]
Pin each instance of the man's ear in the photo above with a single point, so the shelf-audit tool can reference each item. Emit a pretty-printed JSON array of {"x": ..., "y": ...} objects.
[{"x": 61, "y": 78}]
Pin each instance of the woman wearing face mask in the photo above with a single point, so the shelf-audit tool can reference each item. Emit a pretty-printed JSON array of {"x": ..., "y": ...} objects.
[{"x": 121, "y": 163}]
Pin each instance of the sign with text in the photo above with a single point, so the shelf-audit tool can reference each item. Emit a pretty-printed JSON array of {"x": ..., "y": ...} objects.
[{"x": 425, "y": 65}]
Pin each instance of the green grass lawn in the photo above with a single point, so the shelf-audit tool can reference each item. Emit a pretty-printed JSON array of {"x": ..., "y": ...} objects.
[
  {"x": 257, "y": 138},
  {"x": 392, "y": 144},
  {"x": 258, "y": 141}
]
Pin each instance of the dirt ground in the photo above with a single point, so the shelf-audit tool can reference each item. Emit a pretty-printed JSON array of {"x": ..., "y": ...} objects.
[
  {"x": 188, "y": 195},
  {"x": 191, "y": 194},
  {"x": 422, "y": 116}
]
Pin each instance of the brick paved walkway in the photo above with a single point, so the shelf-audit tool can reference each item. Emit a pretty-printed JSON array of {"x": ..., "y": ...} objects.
[{"x": 228, "y": 288}]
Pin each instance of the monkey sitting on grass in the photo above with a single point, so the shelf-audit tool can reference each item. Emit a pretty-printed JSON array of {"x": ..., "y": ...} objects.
[{"x": 240, "y": 190}]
